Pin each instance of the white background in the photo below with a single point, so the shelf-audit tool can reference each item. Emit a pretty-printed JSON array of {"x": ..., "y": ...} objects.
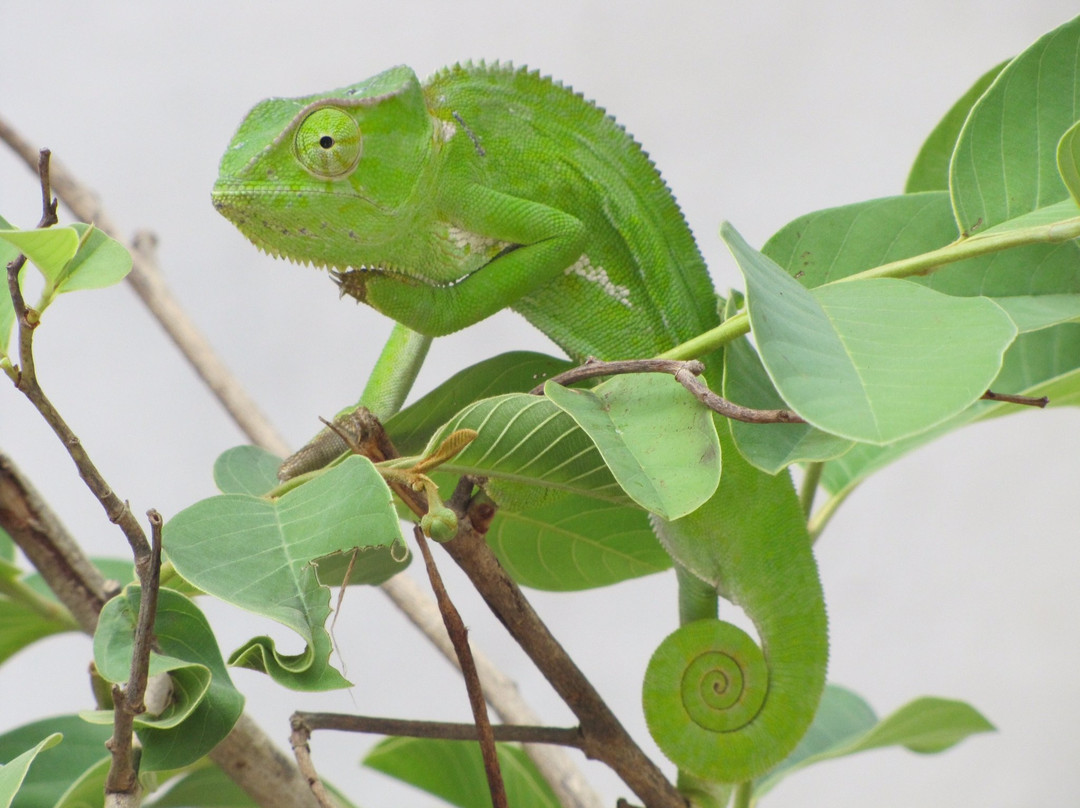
[{"x": 951, "y": 573}]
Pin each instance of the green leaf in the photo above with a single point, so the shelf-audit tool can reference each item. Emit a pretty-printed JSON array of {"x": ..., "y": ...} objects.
[
  {"x": 514, "y": 372},
  {"x": 246, "y": 470},
  {"x": 1045, "y": 362},
  {"x": 13, "y": 773},
  {"x": 576, "y": 543},
  {"x": 930, "y": 171},
  {"x": 204, "y": 705},
  {"x": 207, "y": 786},
  {"x": 100, "y": 262},
  {"x": 656, "y": 438},
  {"x": 370, "y": 565},
  {"x": 872, "y": 360},
  {"x": 48, "y": 249},
  {"x": 846, "y": 725},
  {"x": 45, "y": 784},
  {"x": 831, "y": 244},
  {"x": 1068, "y": 158},
  {"x": 258, "y": 554},
  {"x": 528, "y": 448},
  {"x": 1005, "y": 161},
  {"x": 88, "y": 789},
  {"x": 21, "y": 626},
  {"x": 454, "y": 771},
  {"x": 770, "y": 447},
  {"x": 7, "y": 547},
  {"x": 1036, "y": 312}
]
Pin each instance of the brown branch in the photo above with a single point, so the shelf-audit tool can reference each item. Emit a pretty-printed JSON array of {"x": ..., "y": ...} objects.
[
  {"x": 37, "y": 531},
  {"x": 122, "y": 778},
  {"x": 1010, "y": 398},
  {"x": 459, "y": 636},
  {"x": 27, "y": 319},
  {"x": 685, "y": 373},
  {"x": 300, "y": 739},
  {"x": 605, "y": 739},
  {"x": 440, "y": 730}
]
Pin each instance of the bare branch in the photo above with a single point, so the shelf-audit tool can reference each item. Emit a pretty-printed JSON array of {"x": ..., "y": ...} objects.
[
  {"x": 459, "y": 636},
  {"x": 441, "y": 730}
]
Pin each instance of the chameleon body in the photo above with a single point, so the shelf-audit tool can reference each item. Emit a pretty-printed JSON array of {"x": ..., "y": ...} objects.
[{"x": 487, "y": 187}]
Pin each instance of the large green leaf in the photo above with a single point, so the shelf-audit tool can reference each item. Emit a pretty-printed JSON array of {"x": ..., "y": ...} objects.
[
  {"x": 1005, "y": 161},
  {"x": 83, "y": 749},
  {"x": 873, "y": 360},
  {"x": 258, "y": 554},
  {"x": 1040, "y": 363},
  {"x": 208, "y": 786},
  {"x": 13, "y": 773},
  {"x": 251, "y": 470},
  {"x": 846, "y": 725},
  {"x": 930, "y": 172},
  {"x": 528, "y": 448},
  {"x": 514, "y": 372},
  {"x": 204, "y": 705},
  {"x": 656, "y": 438},
  {"x": 770, "y": 447},
  {"x": 576, "y": 543},
  {"x": 454, "y": 771}
]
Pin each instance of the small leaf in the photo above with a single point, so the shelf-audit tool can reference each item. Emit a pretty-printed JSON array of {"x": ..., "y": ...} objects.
[
  {"x": 48, "y": 249},
  {"x": 871, "y": 360},
  {"x": 259, "y": 554},
  {"x": 101, "y": 261},
  {"x": 656, "y": 438},
  {"x": 454, "y": 771},
  {"x": 204, "y": 705},
  {"x": 246, "y": 470},
  {"x": 13, "y": 772}
]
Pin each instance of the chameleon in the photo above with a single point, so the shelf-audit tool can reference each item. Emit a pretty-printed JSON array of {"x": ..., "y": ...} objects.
[{"x": 439, "y": 203}]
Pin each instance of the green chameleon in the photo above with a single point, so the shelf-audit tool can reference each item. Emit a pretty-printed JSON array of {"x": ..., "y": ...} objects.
[{"x": 490, "y": 187}]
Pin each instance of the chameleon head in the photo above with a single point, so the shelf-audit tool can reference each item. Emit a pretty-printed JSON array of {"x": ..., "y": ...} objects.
[{"x": 332, "y": 179}]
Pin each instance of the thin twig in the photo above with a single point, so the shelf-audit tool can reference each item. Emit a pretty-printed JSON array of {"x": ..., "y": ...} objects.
[
  {"x": 686, "y": 373},
  {"x": 1010, "y": 398},
  {"x": 440, "y": 730},
  {"x": 459, "y": 636},
  {"x": 300, "y": 742},
  {"x": 128, "y": 703}
]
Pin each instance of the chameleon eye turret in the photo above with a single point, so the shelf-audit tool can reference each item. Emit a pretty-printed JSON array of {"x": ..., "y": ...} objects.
[{"x": 328, "y": 143}]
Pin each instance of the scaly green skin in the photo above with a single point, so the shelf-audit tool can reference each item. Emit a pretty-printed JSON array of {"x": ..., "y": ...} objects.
[{"x": 489, "y": 187}]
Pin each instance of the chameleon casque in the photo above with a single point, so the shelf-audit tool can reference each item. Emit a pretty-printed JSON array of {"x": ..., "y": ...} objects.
[{"x": 487, "y": 187}]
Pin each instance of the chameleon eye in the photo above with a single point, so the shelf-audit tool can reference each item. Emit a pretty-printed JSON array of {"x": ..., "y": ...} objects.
[{"x": 328, "y": 143}]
